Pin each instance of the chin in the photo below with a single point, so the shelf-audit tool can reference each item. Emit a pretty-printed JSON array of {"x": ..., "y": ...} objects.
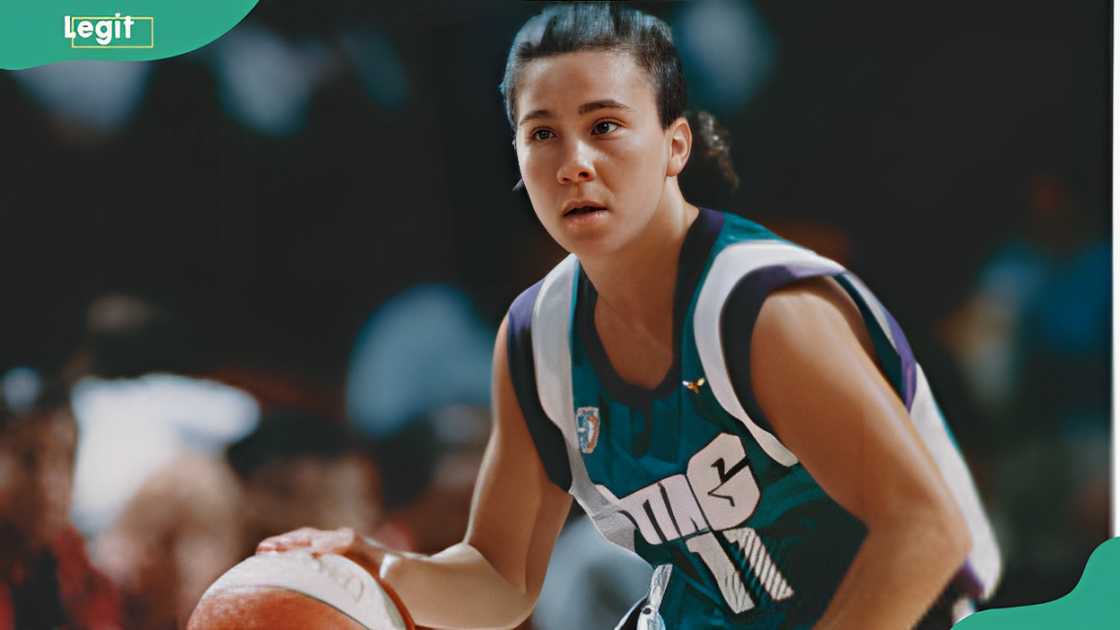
[{"x": 593, "y": 246}]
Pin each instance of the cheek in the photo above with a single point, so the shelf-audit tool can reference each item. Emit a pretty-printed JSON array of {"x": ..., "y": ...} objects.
[
  {"x": 635, "y": 167},
  {"x": 652, "y": 154},
  {"x": 538, "y": 169}
]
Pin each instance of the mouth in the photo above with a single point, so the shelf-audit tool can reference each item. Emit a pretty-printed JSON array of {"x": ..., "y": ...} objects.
[{"x": 580, "y": 208}]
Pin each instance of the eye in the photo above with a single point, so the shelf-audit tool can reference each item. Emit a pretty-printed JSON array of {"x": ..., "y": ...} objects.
[
  {"x": 540, "y": 135},
  {"x": 604, "y": 127}
]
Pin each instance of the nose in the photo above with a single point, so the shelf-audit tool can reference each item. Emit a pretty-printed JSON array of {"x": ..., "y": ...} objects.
[{"x": 577, "y": 167}]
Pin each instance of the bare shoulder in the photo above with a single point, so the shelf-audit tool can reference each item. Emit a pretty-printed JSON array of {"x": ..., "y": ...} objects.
[
  {"x": 506, "y": 410},
  {"x": 813, "y": 370},
  {"x": 807, "y": 317}
]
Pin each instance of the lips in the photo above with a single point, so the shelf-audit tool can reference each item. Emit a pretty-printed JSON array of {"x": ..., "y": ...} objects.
[{"x": 575, "y": 208}]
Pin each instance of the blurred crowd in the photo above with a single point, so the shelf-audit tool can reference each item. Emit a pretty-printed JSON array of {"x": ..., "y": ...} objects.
[
  {"x": 136, "y": 475},
  {"x": 286, "y": 319}
]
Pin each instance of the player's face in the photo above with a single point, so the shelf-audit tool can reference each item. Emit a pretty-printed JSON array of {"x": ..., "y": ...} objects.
[{"x": 592, "y": 151}]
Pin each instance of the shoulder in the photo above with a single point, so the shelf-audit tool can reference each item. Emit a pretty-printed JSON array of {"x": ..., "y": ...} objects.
[
  {"x": 519, "y": 317},
  {"x": 519, "y": 368},
  {"x": 746, "y": 273},
  {"x": 748, "y": 253},
  {"x": 801, "y": 303},
  {"x": 516, "y": 335},
  {"x": 810, "y": 337},
  {"x": 809, "y": 318},
  {"x": 546, "y": 304},
  {"x": 735, "y": 228}
]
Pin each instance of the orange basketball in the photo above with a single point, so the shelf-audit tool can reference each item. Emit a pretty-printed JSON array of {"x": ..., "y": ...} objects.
[{"x": 290, "y": 591}]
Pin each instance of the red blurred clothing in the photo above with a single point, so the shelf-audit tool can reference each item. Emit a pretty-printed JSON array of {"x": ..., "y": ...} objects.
[{"x": 59, "y": 589}]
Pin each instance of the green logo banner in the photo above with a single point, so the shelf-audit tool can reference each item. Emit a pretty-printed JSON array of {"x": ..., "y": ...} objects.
[
  {"x": 38, "y": 33},
  {"x": 1094, "y": 604}
]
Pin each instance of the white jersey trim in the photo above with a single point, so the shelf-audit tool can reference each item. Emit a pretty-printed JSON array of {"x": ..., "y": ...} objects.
[
  {"x": 552, "y": 360},
  {"x": 731, "y": 265},
  {"x": 984, "y": 557}
]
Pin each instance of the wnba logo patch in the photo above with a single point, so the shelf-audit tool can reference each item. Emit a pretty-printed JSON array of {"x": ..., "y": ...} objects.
[{"x": 587, "y": 428}]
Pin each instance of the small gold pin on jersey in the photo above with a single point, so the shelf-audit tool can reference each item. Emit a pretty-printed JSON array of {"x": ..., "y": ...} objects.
[{"x": 694, "y": 386}]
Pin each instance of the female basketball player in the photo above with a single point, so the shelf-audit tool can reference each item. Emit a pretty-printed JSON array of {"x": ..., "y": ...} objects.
[{"x": 737, "y": 410}]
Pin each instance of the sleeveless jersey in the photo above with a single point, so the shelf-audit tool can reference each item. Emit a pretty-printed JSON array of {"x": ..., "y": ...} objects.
[{"x": 689, "y": 475}]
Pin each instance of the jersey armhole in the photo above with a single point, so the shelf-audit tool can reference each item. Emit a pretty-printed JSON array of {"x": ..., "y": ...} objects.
[
  {"x": 740, "y": 314},
  {"x": 547, "y": 438},
  {"x": 737, "y": 321}
]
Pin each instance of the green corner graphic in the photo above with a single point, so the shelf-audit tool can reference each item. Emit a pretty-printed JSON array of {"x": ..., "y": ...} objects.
[
  {"x": 1094, "y": 604},
  {"x": 39, "y": 33}
]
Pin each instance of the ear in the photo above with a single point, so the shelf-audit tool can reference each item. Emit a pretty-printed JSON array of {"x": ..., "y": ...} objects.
[{"x": 680, "y": 146}]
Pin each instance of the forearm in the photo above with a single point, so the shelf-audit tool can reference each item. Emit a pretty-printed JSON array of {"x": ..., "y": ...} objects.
[
  {"x": 456, "y": 588},
  {"x": 897, "y": 574}
]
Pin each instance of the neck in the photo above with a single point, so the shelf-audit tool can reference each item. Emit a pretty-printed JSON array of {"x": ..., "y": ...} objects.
[{"x": 637, "y": 282}]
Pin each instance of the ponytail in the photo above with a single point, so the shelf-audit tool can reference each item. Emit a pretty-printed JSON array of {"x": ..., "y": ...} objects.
[{"x": 711, "y": 142}]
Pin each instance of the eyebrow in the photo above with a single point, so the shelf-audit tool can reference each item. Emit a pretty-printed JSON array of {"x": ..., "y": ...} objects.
[{"x": 606, "y": 103}]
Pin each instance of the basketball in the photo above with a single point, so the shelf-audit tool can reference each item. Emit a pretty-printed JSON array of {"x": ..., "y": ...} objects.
[{"x": 282, "y": 591}]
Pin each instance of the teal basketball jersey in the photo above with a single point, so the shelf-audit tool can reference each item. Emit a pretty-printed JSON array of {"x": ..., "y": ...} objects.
[{"x": 689, "y": 475}]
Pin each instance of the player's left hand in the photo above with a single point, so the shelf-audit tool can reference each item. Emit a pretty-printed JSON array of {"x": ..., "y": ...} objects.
[{"x": 343, "y": 541}]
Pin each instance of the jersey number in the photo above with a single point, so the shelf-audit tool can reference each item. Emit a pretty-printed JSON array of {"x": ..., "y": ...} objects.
[
  {"x": 717, "y": 493},
  {"x": 728, "y": 491},
  {"x": 727, "y": 576}
]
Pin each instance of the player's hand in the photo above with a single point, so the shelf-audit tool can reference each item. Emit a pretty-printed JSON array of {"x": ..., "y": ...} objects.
[{"x": 343, "y": 541}]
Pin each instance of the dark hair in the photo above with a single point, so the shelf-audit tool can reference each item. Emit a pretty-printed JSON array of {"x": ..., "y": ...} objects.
[
  {"x": 597, "y": 26},
  {"x": 128, "y": 336},
  {"x": 288, "y": 434}
]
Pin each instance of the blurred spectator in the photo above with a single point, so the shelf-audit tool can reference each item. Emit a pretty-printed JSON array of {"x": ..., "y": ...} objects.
[
  {"x": 137, "y": 406},
  {"x": 200, "y": 515},
  {"x": 46, "y": 581},
  {"x": 128, "y": 336},
  {"x": 1033, "y": 342},
  {"x": 430, "y": 470},
  {"x": 267, "y": 82},
  {"x": 87, "y": 97},
  {"x": 423, "y": 349},
  {"x": 418, "y": 387}
]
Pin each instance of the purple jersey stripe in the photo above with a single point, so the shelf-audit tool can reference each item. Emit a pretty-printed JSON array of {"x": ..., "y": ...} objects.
[
  {"x": 547, "y": 437},
  {"x": 906, "y": 356},
  {"x": 737, "y": 321},
  {"x": 869, "y": 305},
  {"x": 967, "y": 582}
]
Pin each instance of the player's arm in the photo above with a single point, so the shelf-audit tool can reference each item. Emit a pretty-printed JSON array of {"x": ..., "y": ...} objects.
[
  {"x": 491, "y": 579},
  {"x": 816, "y": 382}
]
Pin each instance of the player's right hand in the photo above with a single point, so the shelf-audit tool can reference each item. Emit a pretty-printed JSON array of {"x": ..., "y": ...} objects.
[{"x": 343, "y": 541}]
